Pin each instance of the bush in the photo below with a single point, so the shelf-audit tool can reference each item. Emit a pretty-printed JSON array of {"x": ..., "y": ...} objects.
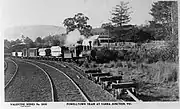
[
  {"x": 151, "y": 54},
  {"x": 170, "y": 53},
  {"x": 160, "y": 72},
  {"x": 119, "y": 64},
  {"x": 105, "y": 55}
]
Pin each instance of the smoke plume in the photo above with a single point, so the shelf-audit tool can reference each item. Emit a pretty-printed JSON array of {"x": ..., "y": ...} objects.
[{"x": 73, "y": 37}]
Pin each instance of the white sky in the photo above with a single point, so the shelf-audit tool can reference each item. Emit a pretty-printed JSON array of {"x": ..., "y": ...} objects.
[{"x": 53, "y": 12}]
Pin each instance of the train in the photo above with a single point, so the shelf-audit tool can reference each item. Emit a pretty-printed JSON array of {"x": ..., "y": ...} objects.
[
  {"x": 74, "y": 51},
  {"x": 54, "y": 52},
  {"x": 66, "y": 52}
]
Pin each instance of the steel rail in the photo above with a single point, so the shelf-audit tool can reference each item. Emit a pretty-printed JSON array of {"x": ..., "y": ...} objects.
[
  {"x": 50, "y": 81},
  {"x": 13, "y": 74},
  {"x": 75, "y": 84}
]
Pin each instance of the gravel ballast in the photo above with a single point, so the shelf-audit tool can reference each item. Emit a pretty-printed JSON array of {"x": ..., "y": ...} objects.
[
  {"x": 9, "y": 72},
  {"x": 29, "y": 85},
  {"x": 65, "y": 90},
  {"x": 92, "y": 90}
]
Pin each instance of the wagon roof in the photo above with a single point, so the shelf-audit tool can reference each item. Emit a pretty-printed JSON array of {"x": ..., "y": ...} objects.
[
  {"x": 55, "y": 48},
  {"x": 33, "y": 48},
  {"x": 42, "y": 49}
]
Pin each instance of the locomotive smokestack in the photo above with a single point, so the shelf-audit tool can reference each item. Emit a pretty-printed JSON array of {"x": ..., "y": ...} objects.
[{"x": 90, "y": 45}]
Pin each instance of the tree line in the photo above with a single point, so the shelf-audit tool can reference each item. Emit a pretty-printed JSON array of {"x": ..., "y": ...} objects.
[
  {"x": 51, "y": 40},
  {"x": 164, "y": 26}
]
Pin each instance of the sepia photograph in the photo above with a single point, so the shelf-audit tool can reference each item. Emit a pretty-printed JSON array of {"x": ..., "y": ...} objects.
[{"x": 97, "y": 51}]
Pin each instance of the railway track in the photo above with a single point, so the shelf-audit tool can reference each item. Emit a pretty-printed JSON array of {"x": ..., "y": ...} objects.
[
  {"x": 5, "y": 65},
  {"x": 14, "y": 74},
  {"x": 77, "y": 81},
  {"x": 50, "y": 81},
  {"x": 54, "y": 75},
  {"x": 74, "y": 67},
  {"x": 91, "y": 89},
  {"x": 29, "y": 85}
]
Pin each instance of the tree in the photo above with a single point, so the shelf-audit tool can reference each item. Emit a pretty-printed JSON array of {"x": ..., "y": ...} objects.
[
  {"x": 7, "y": 43},
  {"x": 162, "y": 12},
  {"x": 121, "y": 14},
  {"x": 27, "y": 40},
  {"x": 56, "y": 40},
  {"x": 18, "y": 41},
  {"x": 109, "y": 27},
  {"x": 48, "y": 41},
  {"x": 79, "y": 21},
  {"x": 69, "y": 23},
  {"x": 143, "y": 36},
  {"x": 55, "y": 43},
  {"x": 39, "y": 42}
]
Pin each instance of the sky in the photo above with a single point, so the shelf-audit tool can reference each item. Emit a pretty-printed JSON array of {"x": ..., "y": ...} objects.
[{"x": 53, "y": 12}]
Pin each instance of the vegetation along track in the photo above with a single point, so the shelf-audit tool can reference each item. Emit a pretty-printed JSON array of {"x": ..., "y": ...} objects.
[
  {"x": 10, "y": 71},
  {"x": 29, "y": 85},
  {"x": 93, "y": 91},
  {"x": 65, "y": 88}
]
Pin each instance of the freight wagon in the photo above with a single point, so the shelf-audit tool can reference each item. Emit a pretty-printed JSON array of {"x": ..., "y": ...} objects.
[
  {"x": 25, "y": 52},
  {"x": 14, "y": 53},
  {"x": 19, "y": 54},
  {"x": 33, "y": 52},
  {"x": 56, "y": 51},
  {"x": 42, "y": 52}
]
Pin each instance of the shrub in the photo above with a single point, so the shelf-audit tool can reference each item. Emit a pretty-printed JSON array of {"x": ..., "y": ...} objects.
[
  {"x": 119, "y": 64},
  {"x": 152, "y": 53},
  {"x": 160, "y": 72},
  {"x": 86, "y": 65},
  {"x": 105, "y": 55},
  {"x": 170, "y": 53}
]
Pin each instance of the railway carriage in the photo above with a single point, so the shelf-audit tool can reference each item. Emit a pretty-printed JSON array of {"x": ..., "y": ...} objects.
[
  {"x": 42, "y": 52},
  {"x": 56, "y": 51},
  {"x": 48, "y": 52},
  {"x": 14, "y": 54},
  {"x": 33, "y": 52},
  {"x": 25, "y": 53},
  {"x": 19, "y": 54}
]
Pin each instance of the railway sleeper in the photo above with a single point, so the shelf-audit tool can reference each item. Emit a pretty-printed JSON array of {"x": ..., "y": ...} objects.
[
  {"x": 121, "y": 88},
  {"x": 115, "y": 79},
  {"x": 96, "y": 77},
  {"x": 93, "y": 71}
]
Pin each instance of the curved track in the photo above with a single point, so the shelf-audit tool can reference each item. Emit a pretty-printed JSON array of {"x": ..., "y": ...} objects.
[
  {"x": 92, "y": 90},
  {"x": 50, "y": 80},
  {"x": 75, "y": 68},
  {"x": 6, "y": 85},
  {"x": 85, "y": 97},
  {"x": 29, "y": 85}
]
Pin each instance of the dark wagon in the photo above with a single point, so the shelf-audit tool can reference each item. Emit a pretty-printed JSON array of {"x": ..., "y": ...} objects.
[{"x": 25, "y": 53}]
